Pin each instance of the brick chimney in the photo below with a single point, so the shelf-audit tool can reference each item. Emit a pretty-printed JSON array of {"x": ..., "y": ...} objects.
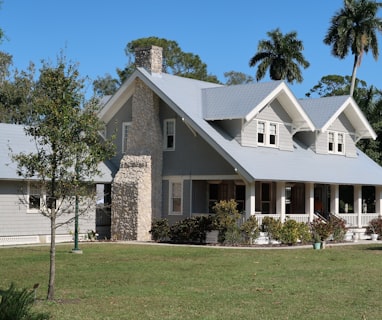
[{"x": 149, "y": 58}]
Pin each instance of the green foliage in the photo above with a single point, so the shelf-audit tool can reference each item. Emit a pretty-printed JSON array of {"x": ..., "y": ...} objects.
[
  {"x": 354, "y": 28},
  {"x": 281, "y": 55},
  {"x": 339, "y": 228},
  {"x": 191, "y": 230},
  {"x": 273, "y": 227},
  {"x": 305, "y": 235},
  {"x": 226, "y": 217},
  {"x": 235, "y": 78},
  {"x": 17, "y": 305},
  {"x": 290, "y": 232},
  {"x": 69, "y": 149},
  {"x": 160, "y": 229},
  {"x": 321, "y": 229},
  {"x": 251, "y": 229},
  {"x": 375, "y": 226}
]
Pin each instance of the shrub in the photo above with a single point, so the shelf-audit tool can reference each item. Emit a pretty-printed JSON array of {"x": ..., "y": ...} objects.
[
  {"x": 321, "y": 229},
  {"x": 17, "y": 304},
  {"x": 339, "y": 229},
  {"x": 250, "y": 229},
  {"x": 305, "y": 235},
  {"x": 375, "y": 226},
  {"x": 226, "y": 217},
  {"x": 191, "y": 230},
  {"x": 160, "y": 230},
  {"x": 272, "y": 227},
  {"x": 289, "y": 232}
]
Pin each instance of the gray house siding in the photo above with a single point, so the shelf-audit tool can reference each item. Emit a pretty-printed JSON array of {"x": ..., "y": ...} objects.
[
  {"x": 16, "y": 221},
  {"x": 342, "y": 124},
  {"x": 249, "y": 134},
  {"x": 114, "y": 126},
  {"x": 192, "y": 155}
]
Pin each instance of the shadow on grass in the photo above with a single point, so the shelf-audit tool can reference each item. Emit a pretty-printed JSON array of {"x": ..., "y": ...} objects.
[{"x": 379, "y": 248}]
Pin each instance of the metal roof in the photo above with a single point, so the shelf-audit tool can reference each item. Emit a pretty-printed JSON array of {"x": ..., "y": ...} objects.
[
  {"x": 185, "y": 97},
  {"x": 13, "y": 140}
]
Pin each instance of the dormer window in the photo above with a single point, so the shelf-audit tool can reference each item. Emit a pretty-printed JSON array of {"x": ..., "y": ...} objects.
[
  {"x": 336, "y": 142},
  {"x": 267, "y": 133}
]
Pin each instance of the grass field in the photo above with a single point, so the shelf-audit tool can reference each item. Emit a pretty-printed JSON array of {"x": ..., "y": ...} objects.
[{"x": 132, "y": 281}]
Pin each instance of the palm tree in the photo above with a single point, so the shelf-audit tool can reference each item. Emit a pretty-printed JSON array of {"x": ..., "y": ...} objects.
[
  {"x": 354, "y": 28},
  {"x": 281, "y": 55}
]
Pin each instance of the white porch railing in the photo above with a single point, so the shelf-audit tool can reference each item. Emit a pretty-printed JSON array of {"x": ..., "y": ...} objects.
[{"x": 358, "y": 220}]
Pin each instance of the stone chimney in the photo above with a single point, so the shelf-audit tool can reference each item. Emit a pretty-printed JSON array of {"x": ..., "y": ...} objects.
[
  {"x": 149, "y": 58},
  {"x": 137, "y": 186}
]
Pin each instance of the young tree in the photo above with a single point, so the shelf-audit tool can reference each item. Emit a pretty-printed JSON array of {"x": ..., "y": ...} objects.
[
  {"x": 68, "y": 147},
  {"x": 354, "y": 28},
  {"x": 281, "y": 55}
]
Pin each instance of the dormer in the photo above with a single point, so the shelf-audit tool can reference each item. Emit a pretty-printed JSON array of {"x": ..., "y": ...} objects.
[
  {"x": 256, "y": 115},
  {"x": 339, "y": 123}
]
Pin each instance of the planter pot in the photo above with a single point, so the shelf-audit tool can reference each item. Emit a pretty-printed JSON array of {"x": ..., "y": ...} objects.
[
  {"x": 317, "y": 245},
  {"x": 374, "y": 236}
]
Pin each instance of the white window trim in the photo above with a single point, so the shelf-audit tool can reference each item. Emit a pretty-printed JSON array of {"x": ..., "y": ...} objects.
[
  {"x": 267, "y": 125},
  {"x": 124, "y": 143},
  {"x": 165, "y": 146},
  {"x": 335, "y": 142},
  {"x": 170, "y": 198},
  {"x": 42, "y": 200}
]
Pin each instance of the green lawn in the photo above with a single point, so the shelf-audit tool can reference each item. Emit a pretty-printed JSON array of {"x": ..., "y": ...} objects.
[{"x": 124, "y": 281}]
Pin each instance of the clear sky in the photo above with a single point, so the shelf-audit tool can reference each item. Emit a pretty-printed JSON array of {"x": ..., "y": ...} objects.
[{"x": 224, "y": 33}]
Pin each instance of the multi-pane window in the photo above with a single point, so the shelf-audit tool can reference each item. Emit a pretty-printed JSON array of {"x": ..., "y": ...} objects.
[
  {"x": 336, "y": 142},
  {"x": 272, "y": 133},
  {"x": 267, "y": 133},
  {"x": 34, "y": 197},
  {"x": 175, "y": 198},
  {"x": 260, "y": 132},
  {"x": 169, "y": 134},
  {"x": 125, "y": 132}
]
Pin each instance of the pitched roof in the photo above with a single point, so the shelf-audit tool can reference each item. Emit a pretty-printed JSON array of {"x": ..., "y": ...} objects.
[
  {"x": 185, "y": 97},
  {"x": 13, "y": 140},
  {"x": 323, "y": 111}
]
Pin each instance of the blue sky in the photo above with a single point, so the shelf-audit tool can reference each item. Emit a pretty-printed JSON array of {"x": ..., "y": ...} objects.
[{"x": 224, "y": 33}]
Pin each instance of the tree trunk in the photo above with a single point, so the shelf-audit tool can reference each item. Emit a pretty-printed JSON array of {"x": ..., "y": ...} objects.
[
  {"x": 354, "y": 73},
  {"x": 52, "y": 268}
]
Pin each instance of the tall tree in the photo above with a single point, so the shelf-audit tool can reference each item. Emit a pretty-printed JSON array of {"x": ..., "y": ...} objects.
[
  {"x": 282, "y": 55},
  {"x": 234, "y": 78},
  {"x": 175, "y": 61},
  {"x": 68, "y": 147},
  {"x": 354, "y": 28}
]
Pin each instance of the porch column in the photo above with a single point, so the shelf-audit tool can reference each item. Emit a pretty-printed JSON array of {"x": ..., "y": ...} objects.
[
  {"x": 334, "y": 198},
  {"x": 358, "y": 203},
  {"x": 378, "y": 200},
  {"x": 309, "y": 200},
  {"x": 280, "y": 199},
  {"x": 250, "y": 199}
]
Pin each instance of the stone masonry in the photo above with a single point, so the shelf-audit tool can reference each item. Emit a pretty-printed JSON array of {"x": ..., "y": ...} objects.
[{"x": 137, "y": 187}]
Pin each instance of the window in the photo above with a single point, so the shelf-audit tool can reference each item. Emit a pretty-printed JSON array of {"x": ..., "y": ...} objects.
[
  {"x": 169, "y": 134},
  {"x": 267, "y": 133},
  {"x": 272, "y": 134},
  {"x": 125, "y": 131},
  {"x": 260, "y": 132},
  {"x": 175, "y": 198},
  {"x": 336, "y": 142},
  {"x": 35, "y": 197}
]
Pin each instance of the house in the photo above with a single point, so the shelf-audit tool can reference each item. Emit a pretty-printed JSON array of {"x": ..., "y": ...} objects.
[
  {"x": 20, "y": 199},
  {"x": 184, "y": 144}
]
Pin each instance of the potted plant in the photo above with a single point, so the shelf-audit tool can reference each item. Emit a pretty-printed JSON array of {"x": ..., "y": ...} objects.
[
  {"x": 322, "y": 229},
  {"x": 374, "y": 228},
  {"x": 316, "y": 241}
]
